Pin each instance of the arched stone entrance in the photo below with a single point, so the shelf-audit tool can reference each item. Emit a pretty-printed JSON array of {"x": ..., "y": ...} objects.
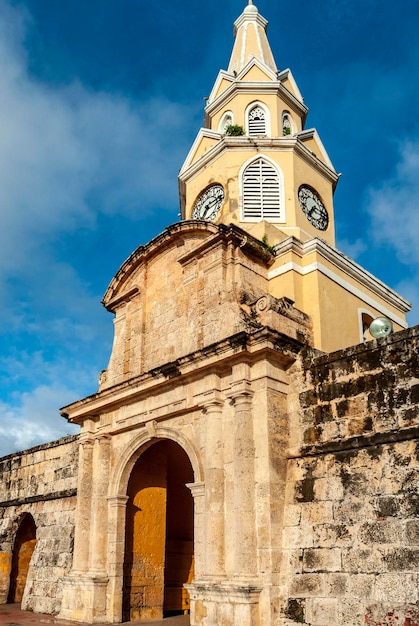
[
  {"x": 159, "y": 534},
  {"x": 25, "y": 542}
]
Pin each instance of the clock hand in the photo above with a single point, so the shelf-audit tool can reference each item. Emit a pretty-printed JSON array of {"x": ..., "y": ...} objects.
[{"x": 210, "y": 203}]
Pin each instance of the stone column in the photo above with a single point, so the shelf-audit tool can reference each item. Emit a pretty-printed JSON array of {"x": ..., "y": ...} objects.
[
  {"x": 214, "y": 489},
  {"x": 99, "y": 538},
  {"x": 244, "y": 476},
  {"x": 198, "y": 493},
  {"x": 116, "y": 554},
  {"x": 83, "y": 507}
]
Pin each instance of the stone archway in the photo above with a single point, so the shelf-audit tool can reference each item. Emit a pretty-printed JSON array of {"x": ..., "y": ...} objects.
[
  {"x": 24, "y": 546},
  {"x": 159, "y": 556}
]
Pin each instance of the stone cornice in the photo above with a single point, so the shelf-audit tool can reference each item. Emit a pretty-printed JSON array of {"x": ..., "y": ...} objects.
[
  {"x": 357, "y": 443},
  {"x": 56, "y": 495},
  {"x": 209, "y": 358},
  {"x": 289, "y": 143}
]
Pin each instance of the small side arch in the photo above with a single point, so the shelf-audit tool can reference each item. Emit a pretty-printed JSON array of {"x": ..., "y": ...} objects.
[
  {"x": 226, "y": 120},
  {"x": 365, "y": 318},
  {"x": 24, "y": 546},
  {"x": 287, "y": 124}
]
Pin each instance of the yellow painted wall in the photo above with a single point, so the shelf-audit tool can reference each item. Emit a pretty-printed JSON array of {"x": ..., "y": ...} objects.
[
  {"x": 5, "y": 569},
  {"x": 334, "y": 310}
]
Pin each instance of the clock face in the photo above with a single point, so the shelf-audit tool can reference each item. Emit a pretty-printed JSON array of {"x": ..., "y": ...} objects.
[
  {"x": 313, "y": 208},
  {"x": 208, "y": 203}
]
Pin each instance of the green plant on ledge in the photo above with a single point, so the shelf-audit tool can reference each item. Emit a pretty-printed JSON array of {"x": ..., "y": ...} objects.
[
  {"x": 234, "y": 130},
  {"x": 270, "y": 248}
]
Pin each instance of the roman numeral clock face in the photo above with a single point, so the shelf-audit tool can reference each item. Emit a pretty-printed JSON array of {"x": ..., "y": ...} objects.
[
  {"x": 313, "y": 208},
  {"x": 208, "y": 204}
]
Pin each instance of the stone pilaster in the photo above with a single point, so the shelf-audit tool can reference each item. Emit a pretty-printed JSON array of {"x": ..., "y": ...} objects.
[
  {"x": 99, "y": 539},
  {"x": 83, "y": 508},
  {"x": 117, "y": 507},
  {"x": 198, "y": 493},
  {"x": 244, "y": 476},
  {"x": 214, "y": 488},
  {"x": 85, "y": 589}
]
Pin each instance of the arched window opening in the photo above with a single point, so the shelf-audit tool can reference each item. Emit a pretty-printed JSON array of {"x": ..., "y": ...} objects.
[
  {"x": 366, "y": 320},
  {"x": 159, "y": 555},
  {"x": 226, "y": 121},
  {"x": 286, "y": 124},
  {"x": 25, "y": 543},
  {"x": 262, "y": 192},
  {"x": 257, "y": 121}
]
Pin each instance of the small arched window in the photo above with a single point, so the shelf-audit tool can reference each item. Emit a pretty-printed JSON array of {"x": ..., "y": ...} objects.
[
  {"x": 257, "y": 121},
  {"x": 262, "y": 192},
  {"x": 365, "y": 320},
  {"x": 226, "y": 120},
  {"x": 286, "y": 124}
]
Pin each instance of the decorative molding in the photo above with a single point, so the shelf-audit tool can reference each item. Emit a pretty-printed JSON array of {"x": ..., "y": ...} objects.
[
  {"x": 346, "y": 265},
  {"x": 113, "y": 304},
  {"x": 289, "y": 143},
  {"x": 197, "y": 489},
  {"x": 254, "y": 87}
]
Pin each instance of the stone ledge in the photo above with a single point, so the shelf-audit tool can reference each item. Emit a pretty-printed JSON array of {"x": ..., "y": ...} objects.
[{"x": 57, "y": 495}]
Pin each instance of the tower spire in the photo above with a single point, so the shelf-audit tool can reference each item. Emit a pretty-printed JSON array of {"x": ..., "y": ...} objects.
[{"x": 250, "y": 40}]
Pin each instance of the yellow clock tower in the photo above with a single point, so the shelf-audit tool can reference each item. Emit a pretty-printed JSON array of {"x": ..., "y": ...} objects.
[{"x": 255, "y": 164}]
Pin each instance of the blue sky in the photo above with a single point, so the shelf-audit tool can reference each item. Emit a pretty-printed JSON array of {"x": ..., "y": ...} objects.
[{"x": 100, "y": 101}]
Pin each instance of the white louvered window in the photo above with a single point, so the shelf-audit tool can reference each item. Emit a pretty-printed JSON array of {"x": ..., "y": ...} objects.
[
  {"x": 262, "y": 192},
  {"x": 257, "y": 122}
]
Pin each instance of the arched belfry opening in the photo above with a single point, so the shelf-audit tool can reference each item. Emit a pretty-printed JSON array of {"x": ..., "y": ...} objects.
[
  {"x": 25, "y": 542},
  {"x": 159, "y": 556}
]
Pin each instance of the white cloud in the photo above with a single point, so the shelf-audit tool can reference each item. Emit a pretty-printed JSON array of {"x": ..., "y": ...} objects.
[
  {"x": 352, "y": 249},
  {"x": 394, "y": 214},
  {"x": 68, "y": 156},
  {"x": 393, "y": 207},
  {"x": 34, "y": 420},
  {"x": 67, "y": 153}
]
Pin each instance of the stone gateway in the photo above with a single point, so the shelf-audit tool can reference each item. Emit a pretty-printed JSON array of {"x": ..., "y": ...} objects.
[{"x": 251, "y": 455}]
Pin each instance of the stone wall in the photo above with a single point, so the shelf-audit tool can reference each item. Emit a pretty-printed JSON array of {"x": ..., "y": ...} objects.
[
  {"x": 41, "y": 482},
  {"x": 351, "y": 535}
]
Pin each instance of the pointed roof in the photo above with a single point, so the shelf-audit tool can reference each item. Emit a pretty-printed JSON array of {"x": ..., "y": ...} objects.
[{"x": 250, "y": 40}]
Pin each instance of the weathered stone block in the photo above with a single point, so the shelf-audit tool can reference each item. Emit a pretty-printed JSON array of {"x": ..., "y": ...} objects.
[
  {"x": 322, "y": 560},
  {"x": 307, "y": 585},
  {"x": 412, "y": 532},
  {"x": 322, "y": 611}
]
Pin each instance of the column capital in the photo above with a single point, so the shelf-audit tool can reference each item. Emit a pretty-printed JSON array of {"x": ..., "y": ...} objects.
[
  {"x": 197, "y": 489},
  {"x": 103, "y": 438},
  {"x": 210, "y": 401},
  {"x": 240, "y": 390},
  {"x": 86, "y": 440},
  {"x": 117, "y": 501}
]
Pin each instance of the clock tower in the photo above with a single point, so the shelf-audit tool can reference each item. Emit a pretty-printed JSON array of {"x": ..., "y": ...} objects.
[
  {"x": 256, "y": 165},
  {"x": 254, "y": 162}
]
